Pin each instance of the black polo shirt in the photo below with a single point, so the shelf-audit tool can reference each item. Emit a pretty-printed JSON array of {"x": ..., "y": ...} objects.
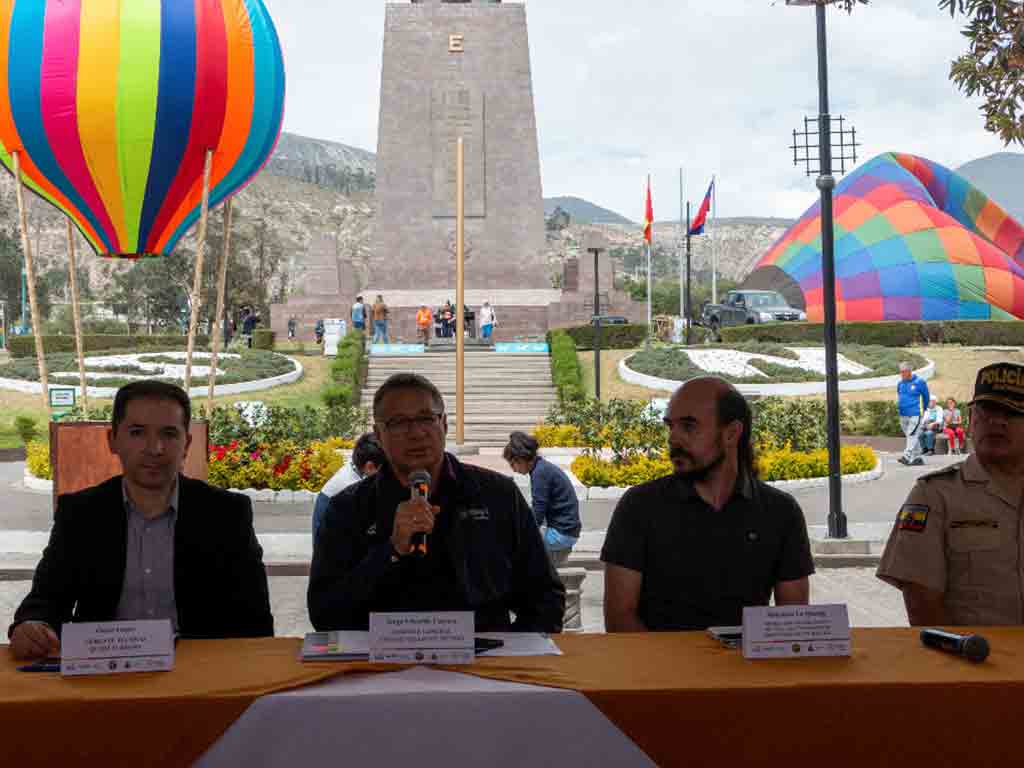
[{"x": 701, "y": 566}]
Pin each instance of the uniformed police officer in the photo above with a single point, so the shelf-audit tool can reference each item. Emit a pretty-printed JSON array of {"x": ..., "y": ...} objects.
[{"x": 956, "y": 548}]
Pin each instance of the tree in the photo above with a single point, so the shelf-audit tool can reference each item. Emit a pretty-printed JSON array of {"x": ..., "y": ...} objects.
[{"x": 993, "y": 67}]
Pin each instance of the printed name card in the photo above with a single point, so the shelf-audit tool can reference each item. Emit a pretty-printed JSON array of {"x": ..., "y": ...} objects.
[
  {"x": 795, "y": 631},
  {"x": 116, "y": 647},
  {"x": 422, "y": 638}
]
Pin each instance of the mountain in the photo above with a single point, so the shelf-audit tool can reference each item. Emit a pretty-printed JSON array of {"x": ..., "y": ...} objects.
[
  {"x": 584, "y": 212},
  {"x": 999, "y": 176},
  {"x": 323, "y": 163}
]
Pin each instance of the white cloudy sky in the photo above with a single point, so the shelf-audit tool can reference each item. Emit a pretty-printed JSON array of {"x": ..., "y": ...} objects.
[{"x": 624, "y": 89}]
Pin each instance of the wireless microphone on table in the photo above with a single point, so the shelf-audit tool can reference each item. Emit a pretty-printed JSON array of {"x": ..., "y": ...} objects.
[
  {"x": 419, "y": 482},
  {"x": 971, "y": 647}
]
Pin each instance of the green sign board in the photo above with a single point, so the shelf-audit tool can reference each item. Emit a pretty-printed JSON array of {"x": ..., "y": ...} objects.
[{"x": 62, "y": 402}]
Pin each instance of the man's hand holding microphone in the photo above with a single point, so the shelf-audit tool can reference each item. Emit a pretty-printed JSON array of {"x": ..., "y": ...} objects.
[{"x": 414, "y": 519}]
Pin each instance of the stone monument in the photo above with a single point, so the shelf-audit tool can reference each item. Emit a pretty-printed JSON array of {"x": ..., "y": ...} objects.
[{"x": 461, "y": 69}]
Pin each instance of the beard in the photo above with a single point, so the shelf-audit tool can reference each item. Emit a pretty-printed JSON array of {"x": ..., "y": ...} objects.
[{"x": 699, "y": 472}]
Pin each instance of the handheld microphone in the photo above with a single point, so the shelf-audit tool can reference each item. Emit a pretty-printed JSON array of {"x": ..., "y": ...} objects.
[
  {"x": 419, "y": 484},
  {"x": 971, "y": 647}
]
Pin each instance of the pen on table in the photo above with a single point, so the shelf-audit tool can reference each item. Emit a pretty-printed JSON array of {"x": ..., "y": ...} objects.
[{"x": 41, "y": 667}]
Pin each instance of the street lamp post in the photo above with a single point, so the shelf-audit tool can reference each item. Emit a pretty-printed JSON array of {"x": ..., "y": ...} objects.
[
  {"x": 826, "y": 182},
  {"x": 597, "y": 324}
]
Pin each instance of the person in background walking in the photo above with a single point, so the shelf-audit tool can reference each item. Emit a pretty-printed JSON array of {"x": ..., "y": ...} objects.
[
  {"x": 380, "y": 321},
  {"x": 424, "y": 322},
  {"x": 447, "y": 320},
  {"x": 318, "y": 330},
  {"x": 292, "y": 324},
  {"x": 954, "y": 428},
  {"x": 555, "y": 505},
  {"x": 487, "y": 320},
  {"x": 359, "y": 315},
  {"x": 249, "y": 325},
  {"x": 912, "y": 398},
  {"x": 932, "y": 423}
]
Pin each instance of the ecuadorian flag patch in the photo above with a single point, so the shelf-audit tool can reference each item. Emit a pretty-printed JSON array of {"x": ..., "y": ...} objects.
[{"x": 913, "y": 517}]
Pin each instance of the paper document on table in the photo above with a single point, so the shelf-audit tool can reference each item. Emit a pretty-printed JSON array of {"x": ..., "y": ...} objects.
[
  {"x": 521, "y": 644},
  {"x": 336, "y": 646}
]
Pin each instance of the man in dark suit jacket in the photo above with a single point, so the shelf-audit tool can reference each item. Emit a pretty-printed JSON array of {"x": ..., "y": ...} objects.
[{"x": 149, "y": 544}]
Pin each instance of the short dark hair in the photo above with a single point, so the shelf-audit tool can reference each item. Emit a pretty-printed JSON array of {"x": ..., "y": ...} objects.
[
  {"x": 407, "y": 381},
  {"x": 150, "y": 389},
  {"x": 367, "y": 448},
  {"x": 521, "y": 446},
  {"x": 733, "y": 406}
]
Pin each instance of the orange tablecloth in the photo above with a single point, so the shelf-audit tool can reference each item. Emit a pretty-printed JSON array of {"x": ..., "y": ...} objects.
[
  {"x": 680, "y": 697},
  {"x": 685, "y": 700},
  {"x": 144, "y": 719}
]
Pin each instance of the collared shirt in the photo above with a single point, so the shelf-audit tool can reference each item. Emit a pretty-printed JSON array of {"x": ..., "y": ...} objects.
[
  {"x": 959, "y": 533},
  {"x": 148, "y": 588},
  {"x": 702, "y": 566}
]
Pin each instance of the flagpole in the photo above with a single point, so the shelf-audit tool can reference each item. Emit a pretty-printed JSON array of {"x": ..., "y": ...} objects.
[
  {"x": 647, "y": 343},
  {"x": 682, "y": 235},
  {"x": 714, "y": 240}
]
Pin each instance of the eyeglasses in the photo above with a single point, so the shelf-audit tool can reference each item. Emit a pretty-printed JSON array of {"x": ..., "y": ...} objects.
[{"x": 403, "y": 425}]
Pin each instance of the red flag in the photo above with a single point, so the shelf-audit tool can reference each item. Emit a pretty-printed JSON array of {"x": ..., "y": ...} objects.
[{"x": 648, "y": 214}]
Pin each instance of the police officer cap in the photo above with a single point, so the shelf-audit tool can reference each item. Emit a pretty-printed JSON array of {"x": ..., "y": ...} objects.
[{"x": 1001, "y": 383}]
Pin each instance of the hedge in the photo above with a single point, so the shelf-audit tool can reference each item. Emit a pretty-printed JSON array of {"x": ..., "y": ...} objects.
[
  {"x": 968, "y": 333},
  {"x": 565, "y": 365},
  {"x": 263, "y": 338},
  {"x": 25, "y": 346},
  {"x": 612, "y": 336},
  {"x": 345, "y": 384}
]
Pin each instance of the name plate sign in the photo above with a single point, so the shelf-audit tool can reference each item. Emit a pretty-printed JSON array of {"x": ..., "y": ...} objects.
[
  {"x": 116, "y": 647},
  {"x": 795, "y": 631},
  {"x": 422, "y": 638}
]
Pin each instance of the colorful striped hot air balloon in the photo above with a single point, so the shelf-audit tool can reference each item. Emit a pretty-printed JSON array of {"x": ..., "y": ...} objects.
[{"x": 112, "y": 106}]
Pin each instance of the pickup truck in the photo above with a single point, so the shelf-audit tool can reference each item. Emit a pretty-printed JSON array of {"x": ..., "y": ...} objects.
[{"x": 746, "y": 307}]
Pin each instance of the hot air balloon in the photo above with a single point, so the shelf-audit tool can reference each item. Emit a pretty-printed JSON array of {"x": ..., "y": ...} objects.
[{"x": 124, "y": 114}]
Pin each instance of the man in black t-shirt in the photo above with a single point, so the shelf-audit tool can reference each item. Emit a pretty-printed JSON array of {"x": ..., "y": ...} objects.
[{"x": 689, "y": 551}]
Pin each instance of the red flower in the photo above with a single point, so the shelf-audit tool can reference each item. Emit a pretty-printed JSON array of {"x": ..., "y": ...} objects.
[{"x": 234, "y": 444}]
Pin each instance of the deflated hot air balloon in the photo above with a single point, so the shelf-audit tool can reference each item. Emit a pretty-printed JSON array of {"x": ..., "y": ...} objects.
[{"x": 113, "y": 105}]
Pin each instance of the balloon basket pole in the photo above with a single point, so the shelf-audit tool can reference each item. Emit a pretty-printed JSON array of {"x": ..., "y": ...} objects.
[
  {"x": 218, "y": 318},
  {"x": 197, "y": 283},
  {"x": 30, "y": 277},
  {"x": 76, "y": 312}
]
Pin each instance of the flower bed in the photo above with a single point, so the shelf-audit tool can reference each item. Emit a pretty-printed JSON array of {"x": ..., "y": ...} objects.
[
  {"x": 279, "y": 467},
  {"x": 284, "y": 466},
  {"x": 778, "y": 464}
]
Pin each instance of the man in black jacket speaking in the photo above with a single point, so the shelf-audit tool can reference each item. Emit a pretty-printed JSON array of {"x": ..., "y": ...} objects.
[
  {"x": 150, "y": 544},
  {"x": 483, "y": 551}
]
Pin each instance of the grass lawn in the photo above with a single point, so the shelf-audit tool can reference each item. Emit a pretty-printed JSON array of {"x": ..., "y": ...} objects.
[
  {"x": 304, "y": 392},
  {"x": 956, "y": 368},
  {"x": 612, "y": 387}
]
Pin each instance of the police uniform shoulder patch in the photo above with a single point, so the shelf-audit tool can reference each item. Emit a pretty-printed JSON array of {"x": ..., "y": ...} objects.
[{"x": 913, "y": 517}]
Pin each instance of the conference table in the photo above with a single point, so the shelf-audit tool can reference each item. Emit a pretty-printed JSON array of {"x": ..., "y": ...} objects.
[{"x": 660, "y": 699}]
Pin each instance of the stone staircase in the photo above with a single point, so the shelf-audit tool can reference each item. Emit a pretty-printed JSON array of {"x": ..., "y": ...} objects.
[{"x": 504, "y": 392}]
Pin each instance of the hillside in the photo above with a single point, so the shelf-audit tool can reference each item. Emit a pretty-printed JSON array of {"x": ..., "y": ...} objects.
[
  {"x": 584, "y": 212},
  {"x": 1000, "y": 177},
  {"x": 323, "y": 163}
]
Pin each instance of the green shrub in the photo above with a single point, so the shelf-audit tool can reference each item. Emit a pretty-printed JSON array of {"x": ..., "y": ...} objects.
[
  {"x": 891, "y": 333},
  {"x": 346, "y": 379},
  {"x": 798, "y": 423},
  {"x": 872, "y": 417},
  {"x": 275, "y": 424},
  {"x": 612, "y": 336},
  {"x": 25, "y": 346},
  {"x": 26, "y": 428},
  {"x": 565, "y": 366},
  {"x": 263, "y": 338}
]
